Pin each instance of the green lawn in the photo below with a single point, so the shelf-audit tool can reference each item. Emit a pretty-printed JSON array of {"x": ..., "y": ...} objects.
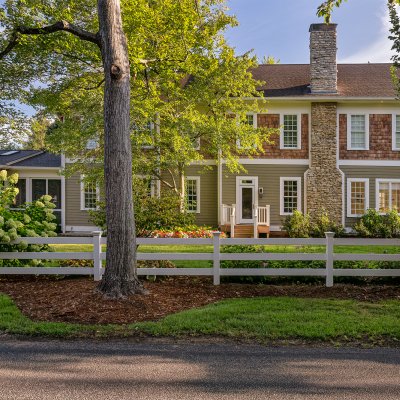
[{"x": 261, "y": 319}]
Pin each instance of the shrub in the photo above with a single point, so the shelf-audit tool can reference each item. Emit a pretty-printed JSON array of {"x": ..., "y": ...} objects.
[
  {"x": 151, "y": 213},
  {"x": 375, "y": 225},
  {"x": 299, "y": 225},
  {"x": 32, "y": 219},
  {"x": 191, "y": 231},
  {"x": 322, "y": 223},
  {"x": 243, "y": 264}
]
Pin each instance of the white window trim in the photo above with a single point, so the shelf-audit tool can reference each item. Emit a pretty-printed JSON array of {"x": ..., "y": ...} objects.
[
  {"x": 281, "y": 193},
  {"x": 366, "y": 116},
  {"x": 82, "y": 186},
  {"x": 377, "y": 182},
  {"x": 238, "y": 145},
  {"x": 155, "y": 184},
  {"x": 394, "y": 148},
  {"x": 281, "y": 141},
  {"x": 366, "y": 199},
  {"x": 197, "y": 179}
]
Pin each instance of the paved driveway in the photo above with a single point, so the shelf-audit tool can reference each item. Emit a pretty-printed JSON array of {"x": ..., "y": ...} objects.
[{"x": 153, "y": 370}]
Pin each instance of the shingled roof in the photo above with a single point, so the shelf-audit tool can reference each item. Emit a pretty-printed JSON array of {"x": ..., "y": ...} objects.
[
  {"x": 354, "y": 80},
  {"x": 29, "y": 158}
]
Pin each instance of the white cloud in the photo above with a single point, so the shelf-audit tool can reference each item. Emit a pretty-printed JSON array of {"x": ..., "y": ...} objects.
[{"x": 380, "y": 50}]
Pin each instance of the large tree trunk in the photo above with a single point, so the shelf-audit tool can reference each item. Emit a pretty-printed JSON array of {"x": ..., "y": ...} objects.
[{"x": 120, "y": 277}]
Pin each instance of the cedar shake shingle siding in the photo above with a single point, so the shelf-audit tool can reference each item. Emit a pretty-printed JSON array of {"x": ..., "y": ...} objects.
[
  {"x": 273, "y": 150},
  {"x": 380, "y": 139}
]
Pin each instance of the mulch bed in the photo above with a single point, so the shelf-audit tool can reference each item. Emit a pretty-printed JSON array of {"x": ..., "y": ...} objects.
[{"x": 75, "y": 299}]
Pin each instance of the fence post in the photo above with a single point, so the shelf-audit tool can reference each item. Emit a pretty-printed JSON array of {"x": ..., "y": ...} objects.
[
  {"x": 329, "y": 258},
  {"x": 216, "y": 258},
  {"x": 96, "y": 255}
]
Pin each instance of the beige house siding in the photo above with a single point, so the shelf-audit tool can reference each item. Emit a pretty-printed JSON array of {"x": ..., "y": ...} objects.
[
  {"x": 269, "y": 179},
  {"x": 371, "y": 173},
  {"x": 208, "y": 214},
  {"x": 208, "y": 194},
  {"x": 74, "y": 216}
]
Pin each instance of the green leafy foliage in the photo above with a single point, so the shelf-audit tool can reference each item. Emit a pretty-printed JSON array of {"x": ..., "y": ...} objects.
[
  {"x": 299, "y": 225},
  {"x": 151, "y": 213},
  {"x": 375, "y": 225},
  {"x": 31, "y": 220}
]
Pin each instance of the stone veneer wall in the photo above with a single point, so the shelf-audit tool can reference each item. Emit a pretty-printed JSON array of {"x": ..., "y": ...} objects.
[
  {"x": 324, "y": 179},
  {"x": 323, "y": 58}
]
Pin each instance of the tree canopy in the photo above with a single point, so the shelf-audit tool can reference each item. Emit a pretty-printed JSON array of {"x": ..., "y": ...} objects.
[{"x": 185, "y": 79}]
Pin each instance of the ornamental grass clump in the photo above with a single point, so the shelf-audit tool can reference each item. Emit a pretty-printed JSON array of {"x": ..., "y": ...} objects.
[{"x": 34, "y": 219}]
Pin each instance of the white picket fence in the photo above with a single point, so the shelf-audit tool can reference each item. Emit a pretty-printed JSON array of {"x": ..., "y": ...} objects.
[{"x": 329, "y": 272}]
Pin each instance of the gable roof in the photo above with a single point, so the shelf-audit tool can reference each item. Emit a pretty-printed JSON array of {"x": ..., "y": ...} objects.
[
  {"x": 354, "y": 80},
  {"x": 29, "y": 158}
]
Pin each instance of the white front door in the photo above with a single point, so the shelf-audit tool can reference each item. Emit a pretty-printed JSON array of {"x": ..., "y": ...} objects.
[{"x": 246, "y": 199}]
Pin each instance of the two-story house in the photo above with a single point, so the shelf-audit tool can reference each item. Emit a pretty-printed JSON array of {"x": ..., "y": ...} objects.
[{"x": 338, "y": 150}]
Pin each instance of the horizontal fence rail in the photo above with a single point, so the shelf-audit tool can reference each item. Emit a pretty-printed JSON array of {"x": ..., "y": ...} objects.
[{"x": 215, "y": 257}]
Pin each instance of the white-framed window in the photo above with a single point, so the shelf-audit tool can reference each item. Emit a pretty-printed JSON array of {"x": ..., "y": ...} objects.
[
  {"x": 251, "y": 120},
  {"x": 387, "y": 195},
  {"x": 357, "y": 196},
  {"x": 290, "y": 195},
  {"x": 90, "y": 195},
  {"x": 193, "y": 193},
  {"x": 357, "y": 132},
  {"x": 395, "y": 131},
  {"x": 290, "y": 137}
]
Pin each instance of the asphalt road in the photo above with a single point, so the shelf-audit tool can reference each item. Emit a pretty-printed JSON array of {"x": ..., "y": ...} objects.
[{"x": 120, "y": 370}]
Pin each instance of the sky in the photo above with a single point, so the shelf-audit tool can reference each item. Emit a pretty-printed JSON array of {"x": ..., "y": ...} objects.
[{"x": 279, "y": 28}]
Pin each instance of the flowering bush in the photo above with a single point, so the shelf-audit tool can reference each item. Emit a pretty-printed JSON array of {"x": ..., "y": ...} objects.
[
  {"x": 189, "y": 232},
  {"x": 31, "y": 220}
]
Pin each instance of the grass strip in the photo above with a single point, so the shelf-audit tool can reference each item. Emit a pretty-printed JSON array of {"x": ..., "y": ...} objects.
[{"x": 265, "y": 318}]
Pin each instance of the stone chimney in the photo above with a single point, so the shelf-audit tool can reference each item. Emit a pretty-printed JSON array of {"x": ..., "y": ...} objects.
[{"x": 323, "y": 58}]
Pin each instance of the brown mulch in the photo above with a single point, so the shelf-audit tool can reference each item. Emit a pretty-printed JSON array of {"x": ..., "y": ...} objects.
[{"x": 75, "y": 299}]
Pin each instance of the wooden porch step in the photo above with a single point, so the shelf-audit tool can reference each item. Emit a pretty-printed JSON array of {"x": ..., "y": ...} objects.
[{"x": 244, "y": 231}]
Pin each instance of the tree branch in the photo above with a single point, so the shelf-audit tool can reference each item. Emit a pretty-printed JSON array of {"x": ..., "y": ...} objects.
[
  {"x": 45, "y": 30},
  {"x": 95, "y": 86}
]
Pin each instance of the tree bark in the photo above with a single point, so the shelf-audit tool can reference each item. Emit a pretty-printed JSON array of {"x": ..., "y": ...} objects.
[{"x": 120, "y": 277}]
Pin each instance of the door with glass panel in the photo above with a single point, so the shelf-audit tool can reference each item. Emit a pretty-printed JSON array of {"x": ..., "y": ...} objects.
[{"x": 246, "y": 199}]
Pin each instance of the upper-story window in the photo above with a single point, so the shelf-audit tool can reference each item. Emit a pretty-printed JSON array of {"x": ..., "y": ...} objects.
[
  {"x": 251, "y": 120},
  {"x": 290, "y": 131},
  {"x": 357, "y": 132},
  {"x": 396, "y": 132}
]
